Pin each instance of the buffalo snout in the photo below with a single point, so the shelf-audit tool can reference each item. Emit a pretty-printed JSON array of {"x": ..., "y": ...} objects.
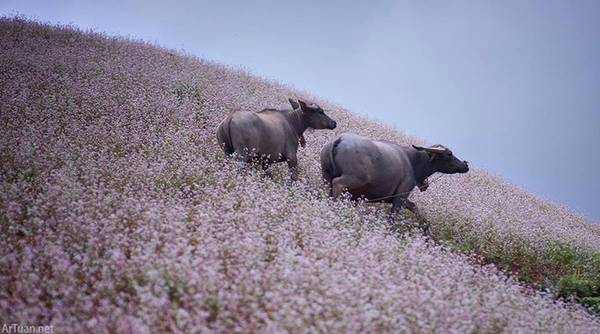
[{"x": 332, "y": 125}]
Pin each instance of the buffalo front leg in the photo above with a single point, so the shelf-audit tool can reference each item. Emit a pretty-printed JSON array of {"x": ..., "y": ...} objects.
[
  {"x": 293, "y": 167},
  {"x": 397, "y": 203},
  {"x": 423, "y": 185},
  {"x": 400, "y": 198},
  {"x": 423, "y": 224}
]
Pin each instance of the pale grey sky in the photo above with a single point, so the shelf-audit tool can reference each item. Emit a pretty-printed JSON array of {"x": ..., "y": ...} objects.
[{"x": 511, "y": 86}]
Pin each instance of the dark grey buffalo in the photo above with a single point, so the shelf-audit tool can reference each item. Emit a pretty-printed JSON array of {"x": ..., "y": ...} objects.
[
  {"x": 382, "y": 171},
  {"x": 271, "y": 135}
]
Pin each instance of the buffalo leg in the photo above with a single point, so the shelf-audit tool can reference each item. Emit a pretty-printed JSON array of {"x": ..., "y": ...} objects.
[
  {"x": 403, "y": 201},
  {"x": 327, "y": 179},
  {"x": 293, "y": 167},
  {"x": 423, "y": 225},
  {"x": 400, "y": 198},
  {"x": 337, "y": 187},
  {"x": 397, "y": 204},
  {"x": 341, "y": 183}
]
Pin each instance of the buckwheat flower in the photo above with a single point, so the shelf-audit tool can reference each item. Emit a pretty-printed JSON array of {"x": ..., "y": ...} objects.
[{"x": 119, "y": 212}]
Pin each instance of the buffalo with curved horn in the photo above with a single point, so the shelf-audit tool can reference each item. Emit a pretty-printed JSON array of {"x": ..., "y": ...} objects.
[{"x": 383, "y": 171}]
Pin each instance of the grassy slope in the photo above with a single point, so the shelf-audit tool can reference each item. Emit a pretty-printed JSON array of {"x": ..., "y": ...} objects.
[{"x": 119, "y": 211}]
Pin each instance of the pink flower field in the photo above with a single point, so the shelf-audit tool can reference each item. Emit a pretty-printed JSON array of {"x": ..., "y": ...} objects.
[{"x": 120, "y": 213}]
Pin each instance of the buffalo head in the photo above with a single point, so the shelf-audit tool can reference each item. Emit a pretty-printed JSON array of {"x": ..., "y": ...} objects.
[
  {"x": 443, "y": 160},
  {"x": 314, "y": 115}
]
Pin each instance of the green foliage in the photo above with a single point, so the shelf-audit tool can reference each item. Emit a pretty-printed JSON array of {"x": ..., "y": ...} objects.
[
  {"x": 592, "y": 302},
  {"x": 573, "y": 285},
  {"x": 571, "y": 272},
  {"x": 595, "y": 266},
  {"x": 563, "y": 255},
  {"x": 577, "y": 273}
]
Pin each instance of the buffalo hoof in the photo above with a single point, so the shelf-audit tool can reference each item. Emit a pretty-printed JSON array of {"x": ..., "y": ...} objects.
[{"x": 424, "y": 226}]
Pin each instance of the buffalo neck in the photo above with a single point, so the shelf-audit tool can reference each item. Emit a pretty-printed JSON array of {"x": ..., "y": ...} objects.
[
  {"x": 296, "y": 120},
  {"x": 422, "y": 166}
]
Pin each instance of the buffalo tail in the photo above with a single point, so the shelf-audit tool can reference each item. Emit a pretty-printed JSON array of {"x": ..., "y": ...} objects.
[
  {"x": 329, "y": 168},
  {"x": 224, "y": 136}
]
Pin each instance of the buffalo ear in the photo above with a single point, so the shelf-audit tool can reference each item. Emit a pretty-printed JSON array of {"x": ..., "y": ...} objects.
[
  {"x": 294, "y": 103},
  {"x": 303, "y": 105},
  {"x": 429, "y": 152}
]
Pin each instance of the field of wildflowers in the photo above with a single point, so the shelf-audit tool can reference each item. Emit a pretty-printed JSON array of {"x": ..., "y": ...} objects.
[{"x": 119, "y": 213}]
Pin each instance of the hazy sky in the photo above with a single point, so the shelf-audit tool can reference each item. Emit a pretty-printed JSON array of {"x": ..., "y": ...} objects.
[{"x": 511, "y": 86}]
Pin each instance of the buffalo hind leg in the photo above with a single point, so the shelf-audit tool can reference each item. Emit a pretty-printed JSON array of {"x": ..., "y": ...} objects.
[
  {"x": 343, "y": 183},
  {"x": 327, "y": 179}
]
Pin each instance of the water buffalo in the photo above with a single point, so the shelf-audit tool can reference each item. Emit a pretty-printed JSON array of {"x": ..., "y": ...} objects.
[
  {"x": 382, "y": 171},
  {"x": 271, "y": 135}
]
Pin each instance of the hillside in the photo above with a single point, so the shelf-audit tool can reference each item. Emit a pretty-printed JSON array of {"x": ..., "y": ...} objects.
[{"x": 120, "y": 213}]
